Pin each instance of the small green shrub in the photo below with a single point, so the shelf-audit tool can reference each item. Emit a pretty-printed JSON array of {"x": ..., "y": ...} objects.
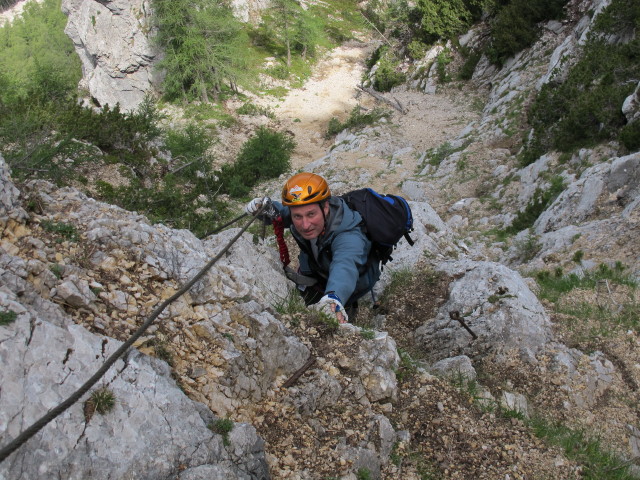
[
  {"x": 57, "y": 270},
  {"x": 578, "y": 256},
  {"x": 630, "y": 136},
  {"x": 443, "y": 59},
  {"x": 290, "y": 304},
  {"x": 407, "y": 367},
  {"x": 367, "y": 334},
  {"x": 416, "y": 49},
  {"x": 469, "y": 65},
  {"x": 7, "y": 317},
  {"x": 528, "y": 247},
  {"x": 103, "y": 400},
  {"x": 387, "y": 75},
  {"x": 437, "y": 155},
  {"x": 222, "y": 426},
  {"x": 266, "y": 155},
  {"x": 249, "y": 108},
  {"x": 540, "y": 201},
  {"x": 65, "y": 231},
  {"x": 358, "y": 118},
  {"x": 363, "y": 474}
]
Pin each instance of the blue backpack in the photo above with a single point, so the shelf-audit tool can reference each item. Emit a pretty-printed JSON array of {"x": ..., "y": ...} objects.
[{"x": 386, "y": 219}]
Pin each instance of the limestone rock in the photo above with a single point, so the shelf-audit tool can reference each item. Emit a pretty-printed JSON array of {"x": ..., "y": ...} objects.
[
  {"x": 498, "y": 306},
  {"x": 114, "y": 40},
  {"x": 152, "y": 430}
]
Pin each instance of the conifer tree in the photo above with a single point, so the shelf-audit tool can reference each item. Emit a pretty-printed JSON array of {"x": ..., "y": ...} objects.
[{"x": 202, "y": 45}]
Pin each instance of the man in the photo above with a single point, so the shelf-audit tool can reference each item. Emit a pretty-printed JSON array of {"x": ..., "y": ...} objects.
[{"x": 334, "y": 250}]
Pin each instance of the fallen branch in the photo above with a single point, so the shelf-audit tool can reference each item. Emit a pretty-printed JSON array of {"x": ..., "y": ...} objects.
[
  {"x": 395, "y": 103},
  {"x": 299, "y": 372}
]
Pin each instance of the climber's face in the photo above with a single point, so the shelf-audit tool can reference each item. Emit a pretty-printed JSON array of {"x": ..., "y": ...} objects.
[{"x": 308, "y": 219}]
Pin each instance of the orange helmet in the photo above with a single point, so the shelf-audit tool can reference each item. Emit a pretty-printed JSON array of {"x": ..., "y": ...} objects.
[{"x": 305, "y": 188}]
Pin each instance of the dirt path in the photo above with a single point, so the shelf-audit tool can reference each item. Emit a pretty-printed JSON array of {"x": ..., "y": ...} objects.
[{"x": 332, "y": 91}]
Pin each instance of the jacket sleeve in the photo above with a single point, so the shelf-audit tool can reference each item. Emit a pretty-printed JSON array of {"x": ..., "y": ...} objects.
[{"x": 350, "y": 251}]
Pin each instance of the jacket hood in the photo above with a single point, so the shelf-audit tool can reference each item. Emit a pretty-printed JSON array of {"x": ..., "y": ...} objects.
[{"x": 341, "y": 218}]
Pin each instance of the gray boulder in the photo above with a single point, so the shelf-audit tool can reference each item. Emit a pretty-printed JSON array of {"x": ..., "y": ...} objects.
[{"x": 496, "y": 304}]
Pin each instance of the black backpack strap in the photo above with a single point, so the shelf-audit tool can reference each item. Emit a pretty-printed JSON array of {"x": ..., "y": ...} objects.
[{"x": 408, "y": 239}]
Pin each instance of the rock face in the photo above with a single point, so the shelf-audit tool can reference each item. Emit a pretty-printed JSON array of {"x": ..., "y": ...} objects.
[
  {"x": 154, "y": 430},
  {"x": 497, "y": 305},
  {"x": 114, "y": 40}
]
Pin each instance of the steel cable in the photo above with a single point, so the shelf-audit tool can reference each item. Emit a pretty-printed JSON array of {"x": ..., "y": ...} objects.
[{"x": 54, "y": 412}]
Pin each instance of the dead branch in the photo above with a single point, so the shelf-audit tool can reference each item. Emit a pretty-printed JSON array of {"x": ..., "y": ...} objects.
[{"x": 395, "y": 103}]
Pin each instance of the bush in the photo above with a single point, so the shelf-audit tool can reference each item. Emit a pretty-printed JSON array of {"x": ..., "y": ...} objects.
[
  {"x": 266, "y": 155},
  {"x": 443, "y": 19},
  {"x": 538, "y": 204},
  {"x": 586, "y": 107},
  {"x": 7, "y": 317},
  {"x": 515, "y": 27},
  {"x": 387, "y": 76},
  {"x": 222, "y": 426},
  {"x": 357, "y": 119},
  {"x": 444, "y": 58},
  {"x": 630, "y": 136},
  {"x": 469, "y": 65}
]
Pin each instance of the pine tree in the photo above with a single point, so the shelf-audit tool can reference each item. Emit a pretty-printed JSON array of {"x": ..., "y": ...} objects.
[{"x": 202, "y": 44}]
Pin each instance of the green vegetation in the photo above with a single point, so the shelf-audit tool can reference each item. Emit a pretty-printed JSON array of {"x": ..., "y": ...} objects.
[
  {"x": 554, "y": 285},
  {"x": 7, "y": 317},
  {"x": 367, "y": 333},
  {"x": 266, "y": 155},
  {"x": 538, "y": 204},
  {"x": 516, "y": 26},
  {"x": 203, "y": 46},
  {"x": 357, "y": 119},
  {"x": 407, "y": 367},
  {"x": 363, "y": 474},
  {"x": 36, "y": 56},
  {"x": 56, "y": 269},
  {"x": 387, "y": 75},
  {"x": 400, "y": 278},
  {"x": 296, "y": 35},
  {"x": 597, "y": 463},
  {"x": 64, "y": 231},
  {"x": 528, "y": 247},
  {"x": 102, "y": 400},
  {"x": 443, "y": 59},
  {"x": 585, "y": 108},
  {"x": 249, "y": 108},
  {"x": 290, "y": 304},
  {"x": 435, "y": 156},
  {"x": 222, "y": 426}
]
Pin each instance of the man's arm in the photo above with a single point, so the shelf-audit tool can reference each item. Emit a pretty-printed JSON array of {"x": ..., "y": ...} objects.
[{"x": 350, "y": 251}]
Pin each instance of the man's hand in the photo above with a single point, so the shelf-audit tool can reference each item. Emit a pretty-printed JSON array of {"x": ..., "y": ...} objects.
[
  {"x": 331, "y": 305},
  {"x": 256, "y": 204}
]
